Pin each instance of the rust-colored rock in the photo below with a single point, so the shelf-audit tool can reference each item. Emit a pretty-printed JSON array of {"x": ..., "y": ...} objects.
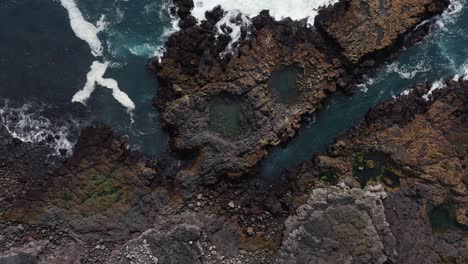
[
  {"x": 199, "y": 85},
  {"x": 263, "y": 118},
  {"x": 418, "y": 149},
  {"x": 102, "y": 187},
  {"x": 363, "y": 27}
]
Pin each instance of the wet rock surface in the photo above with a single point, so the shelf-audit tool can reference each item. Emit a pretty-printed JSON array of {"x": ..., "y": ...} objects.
[{"x": 196, "y": 72}]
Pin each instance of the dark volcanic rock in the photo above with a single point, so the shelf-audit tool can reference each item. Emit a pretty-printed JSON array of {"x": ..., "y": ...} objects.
[
  {"x": 184, "y": 238},
  {"x": 23, "y": 166},
  {"x": 230, "y": 109},
  {"x": 416, "y": 146},
  {"x": 103, "y": 187},
  {"x": 85, "y": 207},
  {"x": 364, "y": 28},
  {"x": 101, "y": 192}
]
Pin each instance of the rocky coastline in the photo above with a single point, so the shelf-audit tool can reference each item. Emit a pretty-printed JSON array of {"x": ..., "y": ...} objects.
[
  {"x": 414, "y": 149},
  {"x": 393, "y": 189},
  {"x": 196, "y": 77}
]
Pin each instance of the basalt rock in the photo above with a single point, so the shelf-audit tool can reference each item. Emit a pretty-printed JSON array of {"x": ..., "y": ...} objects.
[
  {"x": 23, "y": 167},
  {"x": 339, "y": 225},
  {"x": 184, "y": 238},
  {"x": 102, "y": 188},
  {"x": 416, "y": 147},
  {"x": 107, "y": 202},
  {"x": 229, "y": 108},
  {"x": 366, "y": 29}
]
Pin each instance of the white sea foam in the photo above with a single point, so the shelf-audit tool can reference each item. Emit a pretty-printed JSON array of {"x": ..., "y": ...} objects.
[
  {"x": 89, "y": 33},
  {"x": 369, "y": 81},
  {"x": 451, "y": 13},
  {"x": 84, "y": 29},
  {"x": 406, "y": 92},
  {"x": 158, "y": 52},
  {"x": 96, "y": 76},
  {"x": 27, "y": 124},
  {"x": 436, "y": 85},
  {"x": 279, "y": 9},
  {"x": 408, "y": 71},
  {"x": 464, "y": 71}
]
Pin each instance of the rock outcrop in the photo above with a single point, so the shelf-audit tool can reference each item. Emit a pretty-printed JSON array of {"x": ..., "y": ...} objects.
[
  {"x": 339, "y": 225},
  {"x": 416, "y": 146},
  {"x": 228, "y": 109},
  {"x": 60, "y": 209},
  {"x": 366, "y": 29},
  {"x": 101, "y": 188},
  {"x": 94, "y": 206},
  {"x": 107, "y": 203}
]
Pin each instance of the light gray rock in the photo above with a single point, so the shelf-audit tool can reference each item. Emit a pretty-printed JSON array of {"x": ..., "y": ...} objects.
[
  {"x": 179, "y": 245},
  {"x": 339, "y": 225}
]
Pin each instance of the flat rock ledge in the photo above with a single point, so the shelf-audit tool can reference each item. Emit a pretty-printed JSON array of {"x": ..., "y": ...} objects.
[{"x": 339, "y": 225}]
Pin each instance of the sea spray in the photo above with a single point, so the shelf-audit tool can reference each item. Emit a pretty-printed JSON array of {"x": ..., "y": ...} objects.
[{"x": 279, "y": 9}]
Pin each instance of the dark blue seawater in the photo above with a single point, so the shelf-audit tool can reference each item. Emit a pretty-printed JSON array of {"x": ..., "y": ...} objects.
[{"x": 43, "y": 64}]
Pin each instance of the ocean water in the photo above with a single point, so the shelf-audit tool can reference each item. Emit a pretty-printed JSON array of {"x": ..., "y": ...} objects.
[
  {"x": 91, "y": 52},
  {"x": 65, "y": 63}
]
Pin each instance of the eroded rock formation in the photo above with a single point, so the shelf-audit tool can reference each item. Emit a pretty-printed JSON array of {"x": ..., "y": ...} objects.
[
  {"x": 416, "y": 146},
  {"x": 364, "y": 29},
  {"x": 110, "y": 204},
  {"x": 339, "y": 225},
  {"x": 258, "y": 110}
]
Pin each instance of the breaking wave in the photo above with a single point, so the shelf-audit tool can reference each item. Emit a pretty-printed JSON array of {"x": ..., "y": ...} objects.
[
  {"x": 245, "y": 10},
  {"x": 279, "y": 9},
  {"x": 408, "y": 71},
  {"x": 30, "y": 124},
  {"x": 451, "y": 13}
]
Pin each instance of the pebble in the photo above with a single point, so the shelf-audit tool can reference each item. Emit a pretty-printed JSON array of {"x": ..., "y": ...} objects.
[
  {"x": 250, "y": 231},
  {"x": 231, "y": 204}
]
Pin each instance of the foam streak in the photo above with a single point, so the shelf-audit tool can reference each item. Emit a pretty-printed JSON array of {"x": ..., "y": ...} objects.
[
  {"x": 96, "y": 76},
  {"x": 82, "y": 28}
]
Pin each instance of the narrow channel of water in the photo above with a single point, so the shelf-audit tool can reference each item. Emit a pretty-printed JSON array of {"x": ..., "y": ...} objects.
[{"x": 444, "y": 53}]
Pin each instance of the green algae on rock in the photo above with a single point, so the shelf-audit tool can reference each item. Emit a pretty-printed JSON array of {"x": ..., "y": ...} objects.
[
  {"x": 225, "y": 117},
  {"x": 284, "y": 82}
]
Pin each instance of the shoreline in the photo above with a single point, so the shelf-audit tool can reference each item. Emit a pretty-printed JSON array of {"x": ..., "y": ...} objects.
[{"x": 110, "y": 204}]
